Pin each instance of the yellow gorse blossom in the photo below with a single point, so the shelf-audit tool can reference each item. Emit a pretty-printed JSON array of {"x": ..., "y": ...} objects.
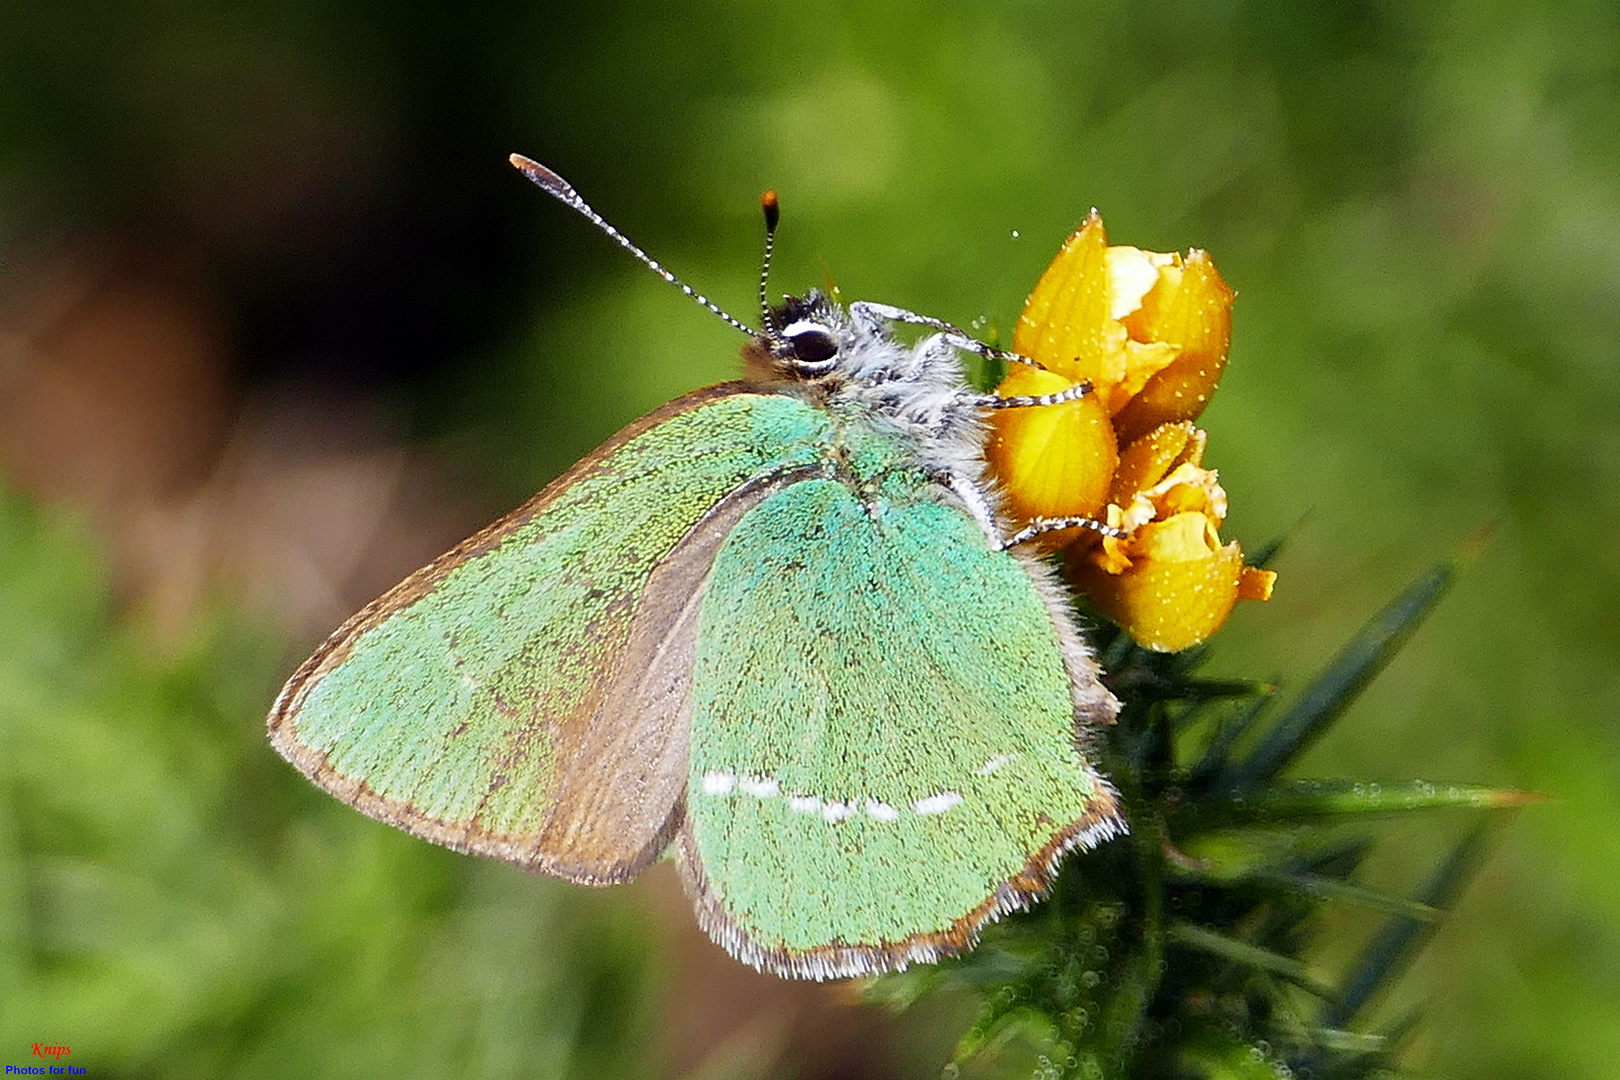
[{"x": 1149, "y": 331}]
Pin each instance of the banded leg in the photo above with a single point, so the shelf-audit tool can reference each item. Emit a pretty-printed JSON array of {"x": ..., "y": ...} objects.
[
  {"x": 953, "y": 334},
  {"x": 1027, "y": 401},
  {"x": 974, "y": 498},
  {"x": 1041, "y": 526}
]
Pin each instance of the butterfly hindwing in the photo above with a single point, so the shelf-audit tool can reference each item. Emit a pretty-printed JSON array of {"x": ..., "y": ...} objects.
[
  {"x": 884, "y": 746},
  {"x": 525, "y": 696}
]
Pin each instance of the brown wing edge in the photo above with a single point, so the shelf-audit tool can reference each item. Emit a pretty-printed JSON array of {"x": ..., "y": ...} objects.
[
  {"x": 840, "y": 960},
  {"x": 1094, "y": 705},
  {"x": 464, "y": 836}
]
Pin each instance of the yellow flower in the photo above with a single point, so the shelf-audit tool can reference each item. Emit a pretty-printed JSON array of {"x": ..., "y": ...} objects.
[
  {"x": 1138, "y": 324},
  {"x": 1170, "y": 583},
  {"x": 1149, "y": 331}
]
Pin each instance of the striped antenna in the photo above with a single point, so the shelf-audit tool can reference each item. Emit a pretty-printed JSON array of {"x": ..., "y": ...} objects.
[
  {"x": 769, "y": 203},
  {"x": 564, "y": 192}
]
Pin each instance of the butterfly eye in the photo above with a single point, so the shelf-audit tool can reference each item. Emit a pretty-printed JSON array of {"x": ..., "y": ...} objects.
[{"x": 813, "y": 344}]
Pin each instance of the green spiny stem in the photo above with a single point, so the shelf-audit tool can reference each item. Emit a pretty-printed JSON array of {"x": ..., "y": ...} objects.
[
  {"x": 1217, "y": 756},
  {"x": 1333, "y": 691},
  {"x": 1180, "y": 951},
  {"x": 1190, "y": 935},
  {"x": 1310, "y": 800},
  {"x": 1402, "y": 935}
]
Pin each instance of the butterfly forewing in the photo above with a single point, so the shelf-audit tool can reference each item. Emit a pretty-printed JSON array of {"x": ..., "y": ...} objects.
[
  {"x": 523, "y": 697},
  {"x": 884, "y": 747}
]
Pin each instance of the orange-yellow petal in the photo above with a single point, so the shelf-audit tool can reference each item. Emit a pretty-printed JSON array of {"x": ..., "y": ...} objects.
[
  {"x": 1149, "y": 459},
  {"x": 1189, "y": 488},
  {"x": 1256, "y": 584},
  {"x": 1190, "y": 309},
  {"x": 1067, "y": 324},
  {"x": 1185, "y": 537},
  {"x": 1166, "y": 604},
  {"x": 1051, "y": 460},
  {"x": 1133, "y": 276},
  {"x": 1108, "y": 553}
]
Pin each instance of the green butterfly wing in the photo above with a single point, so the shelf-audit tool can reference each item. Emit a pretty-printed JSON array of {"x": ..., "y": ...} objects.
[
  {"x": 524, "y": 696},
  {"x": 884, "y": 749}
]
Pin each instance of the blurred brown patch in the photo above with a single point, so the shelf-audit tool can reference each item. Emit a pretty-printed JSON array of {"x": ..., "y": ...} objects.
[
  {"x": 117, "y": 396},
  {"x": 113, "y": 389}
]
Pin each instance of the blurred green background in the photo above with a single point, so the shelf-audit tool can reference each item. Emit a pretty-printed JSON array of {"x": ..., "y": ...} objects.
[{"x": 278, "y": 322}]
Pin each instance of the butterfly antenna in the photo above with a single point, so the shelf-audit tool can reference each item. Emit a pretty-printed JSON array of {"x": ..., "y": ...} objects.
[
  {"x": 773, "y": 213},
  {"x": 564, "y": 192}
]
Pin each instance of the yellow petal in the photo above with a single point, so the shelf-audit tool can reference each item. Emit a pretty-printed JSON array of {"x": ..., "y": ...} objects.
[
  {"x": 1067, "y": 324},
  {"x": 1165, "y": 468},
  {"x": 1051, "y": 460},
  {"x": 1166, "y": 604},
  {"x": 1139, "y": 365},
  {"x": 1189, "y": 488},
  {"x": 1108, "y": 557},
  {"x": 1132, "y": 275},
  {"x": 1149, "y": 459},
  {"x": 1181, "y": 538},
  {"x": 1191, "y": 309}
]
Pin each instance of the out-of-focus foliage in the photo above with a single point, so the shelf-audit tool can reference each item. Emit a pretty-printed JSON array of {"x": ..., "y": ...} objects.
[
  {"x": 172, "y": 906},
  {"x": 1416, "y": 204}
]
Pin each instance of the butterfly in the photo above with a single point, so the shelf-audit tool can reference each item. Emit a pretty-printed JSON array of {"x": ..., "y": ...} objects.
[{"x": 777, "y": 630}]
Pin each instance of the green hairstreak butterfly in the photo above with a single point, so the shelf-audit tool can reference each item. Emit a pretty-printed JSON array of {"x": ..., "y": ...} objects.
[{"x": 776, "y": 629}]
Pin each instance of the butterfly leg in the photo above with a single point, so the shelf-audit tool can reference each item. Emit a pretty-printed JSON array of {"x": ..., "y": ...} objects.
[
  {"x": 873, "y": 313},
  {"x": 1029, "y": 401},
  {"x": 977, "y": 504},
  {"x": 973, "y": 497},
  {"x": 1041, "y": 526}
]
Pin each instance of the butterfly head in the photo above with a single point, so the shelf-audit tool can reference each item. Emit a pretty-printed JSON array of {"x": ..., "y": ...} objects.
[{"x": 804, "y": 336}]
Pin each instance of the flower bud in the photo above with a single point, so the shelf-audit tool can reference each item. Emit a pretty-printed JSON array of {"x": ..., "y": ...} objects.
[{"x": 1150, "y": 332}]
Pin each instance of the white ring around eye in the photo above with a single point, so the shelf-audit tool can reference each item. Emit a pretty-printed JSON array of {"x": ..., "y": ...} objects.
[{"x": 809, "y": 329}]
